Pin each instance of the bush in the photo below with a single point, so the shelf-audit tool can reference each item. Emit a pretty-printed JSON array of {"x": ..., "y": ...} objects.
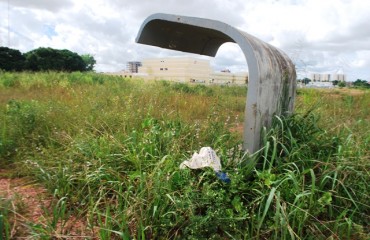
[
  {"x": 48, "y": 59},
  {"x": 341, "y": 84},
  {"x": 11, "y": 59},
  {"x": 361, "y": 83}
]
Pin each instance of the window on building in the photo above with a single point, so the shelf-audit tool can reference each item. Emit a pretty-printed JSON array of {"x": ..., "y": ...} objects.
[{"x": 161, "y": 69}]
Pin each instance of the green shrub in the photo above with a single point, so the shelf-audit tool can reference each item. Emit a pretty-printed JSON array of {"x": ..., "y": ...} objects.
[{"x": 9, "y": 80}]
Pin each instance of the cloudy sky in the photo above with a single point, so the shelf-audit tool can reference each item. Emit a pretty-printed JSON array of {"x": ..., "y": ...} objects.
[{"x": 331, "y": 36}]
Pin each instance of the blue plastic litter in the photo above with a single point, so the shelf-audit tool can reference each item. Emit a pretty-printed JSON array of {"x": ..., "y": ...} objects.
[{"x": 223, "y": 177}]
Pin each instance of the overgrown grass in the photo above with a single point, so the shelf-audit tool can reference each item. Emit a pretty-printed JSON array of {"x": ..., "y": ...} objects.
[
  {"x": 109, "y": 150},
  {"x": 5, "y": 215}
]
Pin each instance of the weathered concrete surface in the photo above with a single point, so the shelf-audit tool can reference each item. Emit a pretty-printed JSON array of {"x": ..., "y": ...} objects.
[{"x": 272, "y": 76}]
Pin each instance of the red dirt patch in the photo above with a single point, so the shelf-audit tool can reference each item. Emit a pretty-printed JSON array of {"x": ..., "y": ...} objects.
[
  {"x": 238, "y": 128},
  {"x": 30, "y": 204}
]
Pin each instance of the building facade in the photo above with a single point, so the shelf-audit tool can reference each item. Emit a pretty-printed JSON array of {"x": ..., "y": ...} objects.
[
  {"x": 176, "y": 69},
  {"x": 339, "y": 77},
  {"x": 229, "y": 78},
  {"x": 187, "y": 69},
  {"x": 133, "y": 67},
  {"x": 326, "y": 77}
]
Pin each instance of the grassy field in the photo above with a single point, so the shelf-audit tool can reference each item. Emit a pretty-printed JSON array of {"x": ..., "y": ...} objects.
[{"x": 108, "y": 151}]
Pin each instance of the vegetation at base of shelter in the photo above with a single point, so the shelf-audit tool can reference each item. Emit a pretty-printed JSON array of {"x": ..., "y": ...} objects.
[
  {"x": 108, "y": 149},
  {"x": 45, "y": 59}
]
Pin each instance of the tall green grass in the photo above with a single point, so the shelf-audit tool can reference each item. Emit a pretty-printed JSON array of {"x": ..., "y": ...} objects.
[
  {"x": 5, "y": 227},
  {"x": 109, "y": 150}
]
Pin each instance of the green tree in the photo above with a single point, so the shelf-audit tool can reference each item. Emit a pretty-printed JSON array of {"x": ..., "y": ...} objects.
[
  {"x": 341, "y": 84},
  {"x": 44, "y": 59},
  {"x": 89, "y": 61},
  {"x": 361, "y": 83},
  {"x": 72, "y": 61},
  {"x": 306, "y": 80},
  {"x": 11, "y": 59}
]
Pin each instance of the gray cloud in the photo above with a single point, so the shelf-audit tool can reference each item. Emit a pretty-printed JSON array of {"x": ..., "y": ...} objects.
[
  {"x": 218, "y": 9},
  {"x": 49, "y": 5},
  {"x": 317, "y": 37}
]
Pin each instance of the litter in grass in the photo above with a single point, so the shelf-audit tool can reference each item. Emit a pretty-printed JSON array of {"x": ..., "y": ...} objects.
[{"x": 206, "y": 157}]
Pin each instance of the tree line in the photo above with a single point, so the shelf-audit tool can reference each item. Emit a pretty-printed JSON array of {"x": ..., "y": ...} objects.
[
  {"x": 45, "y": 59},
  {"x": 359, "y": 83}
]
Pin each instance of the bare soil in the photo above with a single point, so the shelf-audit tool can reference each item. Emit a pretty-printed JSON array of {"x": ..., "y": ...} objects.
[{"x": 29, "y": 204}]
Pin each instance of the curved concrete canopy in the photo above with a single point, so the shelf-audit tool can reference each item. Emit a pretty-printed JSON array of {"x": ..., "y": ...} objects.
[{"x": 272, "y": 76}]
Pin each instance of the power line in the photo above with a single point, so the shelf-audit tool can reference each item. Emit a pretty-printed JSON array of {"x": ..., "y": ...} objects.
[{"x": 8, "y": 27}]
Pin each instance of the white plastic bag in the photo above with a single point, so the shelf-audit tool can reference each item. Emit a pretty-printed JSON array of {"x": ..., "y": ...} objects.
[{"x": 206, "y": 158}]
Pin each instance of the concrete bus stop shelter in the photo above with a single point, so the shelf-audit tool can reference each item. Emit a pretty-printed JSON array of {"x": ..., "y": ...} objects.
[{"x": 272, "y": 76}]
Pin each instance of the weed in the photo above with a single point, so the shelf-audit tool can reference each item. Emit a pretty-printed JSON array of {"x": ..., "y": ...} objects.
[
  {"x": 110, "y": 149},
  {"x": 5, "y": 225}
]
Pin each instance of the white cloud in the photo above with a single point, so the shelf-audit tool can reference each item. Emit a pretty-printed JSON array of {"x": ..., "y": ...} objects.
[
  {"x": 229, "y": 56},
  {"x": 320, "y": 36}
]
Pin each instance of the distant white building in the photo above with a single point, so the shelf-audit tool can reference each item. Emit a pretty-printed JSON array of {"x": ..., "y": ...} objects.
[
  {"x": 133, "y": 67},
  {"x": 188, "y": 69},
  {"x": 339, "y": 77},
  {"x": 229, "y": 78},
  {"x": 176, "y": 69},
  {"x": 326, "y": 77},
  {"x": 319, "y": 85}
]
